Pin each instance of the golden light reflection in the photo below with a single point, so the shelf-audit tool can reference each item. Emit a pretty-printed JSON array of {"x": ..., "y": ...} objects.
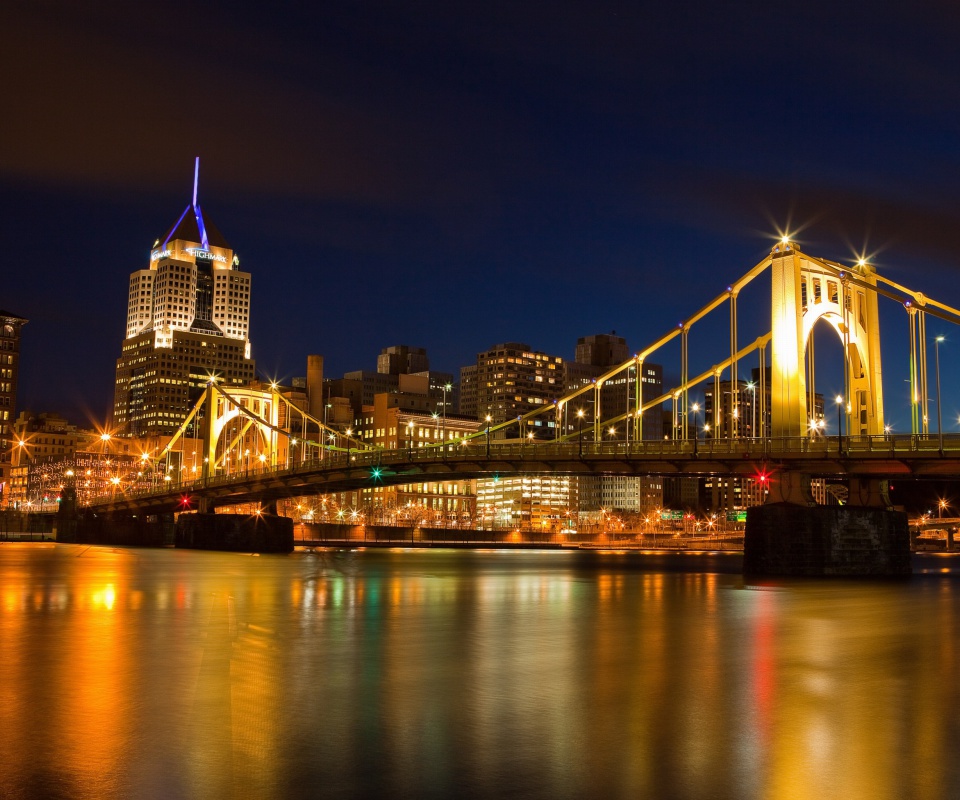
[{"x": 219, "y": 675}]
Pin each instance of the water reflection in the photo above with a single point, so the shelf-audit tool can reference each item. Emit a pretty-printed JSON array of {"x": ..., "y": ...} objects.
[{"x": 144, "y": 673}]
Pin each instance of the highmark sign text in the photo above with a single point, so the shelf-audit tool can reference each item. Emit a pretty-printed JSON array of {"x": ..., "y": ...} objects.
[
  {"x": 196, "y": 252},
  {"x": 206, "y": 254}
]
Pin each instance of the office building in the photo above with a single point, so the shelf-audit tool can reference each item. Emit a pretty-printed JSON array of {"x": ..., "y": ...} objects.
[{"x": 188, "y": 320}]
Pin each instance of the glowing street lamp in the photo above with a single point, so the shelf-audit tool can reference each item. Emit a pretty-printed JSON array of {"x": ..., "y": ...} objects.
[
  {"x": 939, "y": 413},
  {"x": 489, "y": 419},
  {"x": 446, "y": 388},
  {"x": 753, "y": 408},
  {"x": 580, "y": 438},
  {"x": 839, "y": 402}
]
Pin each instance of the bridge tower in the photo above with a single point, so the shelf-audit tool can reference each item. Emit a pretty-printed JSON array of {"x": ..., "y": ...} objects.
[
  {"x": 804, "y": 291},
  {"x": 258, "y": 414}
]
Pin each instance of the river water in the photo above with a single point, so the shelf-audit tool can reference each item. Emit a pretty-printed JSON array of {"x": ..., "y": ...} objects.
[{"x": 135, "y": 673}]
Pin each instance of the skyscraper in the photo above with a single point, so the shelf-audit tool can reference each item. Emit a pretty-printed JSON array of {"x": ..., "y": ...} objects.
[{"x": 188, "y": 319}]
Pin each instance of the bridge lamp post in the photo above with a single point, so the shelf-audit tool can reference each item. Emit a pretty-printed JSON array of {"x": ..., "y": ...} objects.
[
  {"x": 349, "y": 432},
  {"x": 939, "y": 413},
  {"x": 580, "y": 437},
  {"x": 839, "y": 401},
  {"x": 696, "y": 427},
  {"x": 489, "y": 419},
  {"x": 753, "y": 408},
  {"x": 446, "y": 388}
]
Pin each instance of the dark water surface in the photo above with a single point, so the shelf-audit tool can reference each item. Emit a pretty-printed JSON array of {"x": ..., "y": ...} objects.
[{"x": 130, "y": 673}]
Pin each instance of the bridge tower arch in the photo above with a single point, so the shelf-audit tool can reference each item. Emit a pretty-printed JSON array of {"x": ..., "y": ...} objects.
[
  {"x": 249, "y": 406},
  {"x": 805, "y": 290}
]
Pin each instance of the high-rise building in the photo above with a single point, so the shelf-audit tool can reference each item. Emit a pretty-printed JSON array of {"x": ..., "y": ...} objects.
[
  {"x": 602, "y": 350},
  {"x": 400, "y": 368},
  {"x": 508, "y": 380},
  {"x": 511, "y": 379},
  {"x": 188, "y": 319},
  {"x": 10, "y": 325},
  {"x": 595, "y": 355},
  {"x": 402, "y": 359}
]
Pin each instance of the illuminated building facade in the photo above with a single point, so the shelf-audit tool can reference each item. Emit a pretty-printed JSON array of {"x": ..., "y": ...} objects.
[
  {"x": 535, "y": 503},
  {"x": 188, "y": 318},
  {"x": 10, "y": 325},
  {"x": 509, "y": 380},
  {"x": 411, "y": 420}
]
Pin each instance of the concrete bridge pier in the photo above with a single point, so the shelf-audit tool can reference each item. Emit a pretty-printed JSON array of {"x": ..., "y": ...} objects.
[
  {"x": 243, "y": 533},
  {"x": 120, "y": 528},
  {"x": 67, "y": 515},
  {"x": 794, "y": 537}
]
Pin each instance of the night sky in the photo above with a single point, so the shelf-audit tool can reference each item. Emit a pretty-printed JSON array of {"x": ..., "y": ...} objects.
[{"x": 451, "y": 176}]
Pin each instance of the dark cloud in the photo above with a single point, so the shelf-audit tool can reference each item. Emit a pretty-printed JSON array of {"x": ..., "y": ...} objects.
[{"x": 453, "y": 175}]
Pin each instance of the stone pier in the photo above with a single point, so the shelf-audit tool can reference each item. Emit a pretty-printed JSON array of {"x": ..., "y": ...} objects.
[
  {"x": 794, "y": 537},
  {"x": 244, "y": 533}
]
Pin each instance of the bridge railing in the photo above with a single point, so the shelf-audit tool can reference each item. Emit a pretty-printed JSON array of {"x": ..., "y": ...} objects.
[{"x": 478, "y": 451}]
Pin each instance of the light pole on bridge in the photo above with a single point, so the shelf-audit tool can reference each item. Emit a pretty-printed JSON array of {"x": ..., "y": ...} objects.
[
  {"x": 580, "y": 436},
  {"x": 488, "y": 421},
  {"x": 839, "y": 400},
  {"x": 939, "y": 413},
  {"x": 443, "y": 431},
  {"x": 696, "y": 426}
]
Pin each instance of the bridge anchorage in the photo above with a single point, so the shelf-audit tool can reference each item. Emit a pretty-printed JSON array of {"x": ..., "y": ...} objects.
[{"x": 770, "y": 431}]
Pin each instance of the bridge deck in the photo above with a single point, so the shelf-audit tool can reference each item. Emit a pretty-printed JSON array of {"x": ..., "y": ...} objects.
[{"x": 876, "y": 457}]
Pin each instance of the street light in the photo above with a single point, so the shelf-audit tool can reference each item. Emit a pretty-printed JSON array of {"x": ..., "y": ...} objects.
[
  {"x": 753, "y": 408},
  {"x": 446, "y": 388},
  {"x": 839, "y": 401},
  {"x": 488, "y": 420},
  {"x": 696, "y": 426},
  {"x": 580, "y": 418},
  {"x": 349, "y": 433},
  {"x": 939, "y": 414}
]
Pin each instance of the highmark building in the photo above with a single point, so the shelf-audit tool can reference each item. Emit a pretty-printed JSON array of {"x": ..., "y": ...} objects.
[{"x": 188, "y": 319}]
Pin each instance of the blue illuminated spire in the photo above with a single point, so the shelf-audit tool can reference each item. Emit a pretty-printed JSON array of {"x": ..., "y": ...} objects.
[
  {"x": 196, "y": 208},
  {"x": 204, "y": 233}
]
